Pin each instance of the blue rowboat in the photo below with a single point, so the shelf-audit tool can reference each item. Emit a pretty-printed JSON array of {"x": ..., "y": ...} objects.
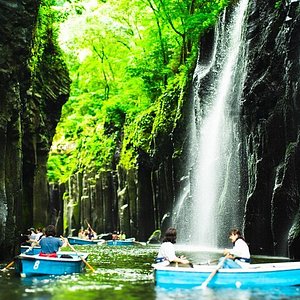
[
  {"x": 30, "y": 250},
  {"x": 64, "y": 263},
  {"x": 256, "y": 275},
  {"x": 78, "y": 241},
  {"x": 127, "y": 242}
]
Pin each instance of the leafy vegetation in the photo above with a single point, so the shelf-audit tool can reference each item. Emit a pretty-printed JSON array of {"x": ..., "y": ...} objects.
[
  {"x": 278, "y": 4},
  {"x": 129, "y": 61}
]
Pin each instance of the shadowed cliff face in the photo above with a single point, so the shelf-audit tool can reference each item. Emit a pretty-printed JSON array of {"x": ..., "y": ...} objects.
[
  {"x": 270, "y": 120},
  {"x": 30, "y": 106},
  {"x": 43, "y": 101},
  {"x": 17, "y": 22}
]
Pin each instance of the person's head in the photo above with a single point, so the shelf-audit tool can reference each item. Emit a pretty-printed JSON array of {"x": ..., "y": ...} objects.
[
  {"x": 170, "y": 235},
  {"x": 234, "y": 234},
  {"x": 50, "y": 230},
  {"x": 31, "y": 230}
]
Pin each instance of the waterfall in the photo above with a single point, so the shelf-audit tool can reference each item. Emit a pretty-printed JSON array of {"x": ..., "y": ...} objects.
[{"x": 214, "y": 179}]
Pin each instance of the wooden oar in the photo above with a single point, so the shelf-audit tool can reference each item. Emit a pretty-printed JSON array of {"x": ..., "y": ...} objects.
[
  {"x": 8, "y": 266},
  {"x": 86, "y": 263},
  {"x": 12, "y": 262},
  {"x": 139, "y": 243},
  {"x": 88, "y": 224},
  {"x": 208, "y": 262},
  {"x": 92, "y": 230},
  {"x": 214, "y": 272}
]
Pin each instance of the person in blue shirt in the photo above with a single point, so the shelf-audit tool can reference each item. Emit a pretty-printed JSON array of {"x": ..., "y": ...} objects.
[{"x": 50, "y": 244}]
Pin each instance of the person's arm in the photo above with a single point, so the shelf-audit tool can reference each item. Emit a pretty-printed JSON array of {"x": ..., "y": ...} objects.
[
  {"x": 94, "y": 235},
  {"x": 64, "y": 242},
  {"x": 181, "y": 260},
  {"x": 169, "y": 252},
  {"x": 34, "y": 243},
  {"x": 228, "y": 253}
]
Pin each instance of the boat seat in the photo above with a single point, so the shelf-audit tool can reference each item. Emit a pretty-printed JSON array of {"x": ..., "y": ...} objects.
[{"x": 66, "y": 256}]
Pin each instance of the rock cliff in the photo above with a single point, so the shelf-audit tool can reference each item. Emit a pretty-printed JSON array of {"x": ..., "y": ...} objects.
[
  {"x": 270, "y": 118},
  {"x": 31, "y": 101}
]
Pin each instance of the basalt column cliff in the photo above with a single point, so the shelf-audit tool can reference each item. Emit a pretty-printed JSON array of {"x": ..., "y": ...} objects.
[
  {"x": 31, "y": 101},
  {"x": 270, "y": 118}
]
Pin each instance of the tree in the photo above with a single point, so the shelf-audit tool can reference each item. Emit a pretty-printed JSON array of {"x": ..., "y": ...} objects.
[{"x": 123, "y": 57}]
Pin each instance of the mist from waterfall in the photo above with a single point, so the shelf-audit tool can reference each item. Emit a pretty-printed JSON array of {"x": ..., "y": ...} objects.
[{"x": 214, "y": 179}]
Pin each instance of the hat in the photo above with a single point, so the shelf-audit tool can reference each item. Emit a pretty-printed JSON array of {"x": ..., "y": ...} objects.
[{"x": 31, "y": 229}]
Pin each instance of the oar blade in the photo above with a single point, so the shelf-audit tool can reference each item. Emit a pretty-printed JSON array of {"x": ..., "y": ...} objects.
[{"x": 7, "y": 267}]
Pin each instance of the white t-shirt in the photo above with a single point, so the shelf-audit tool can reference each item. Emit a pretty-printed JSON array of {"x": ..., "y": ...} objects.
[
  {"x": 167, "y": 250},
  {"x": 38, "y": 236},
  {"x": 33, "y": 237},
  {"x": 240, "y": 249}
]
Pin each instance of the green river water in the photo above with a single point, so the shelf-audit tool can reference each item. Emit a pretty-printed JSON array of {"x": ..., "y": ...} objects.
[{"x": 123, "y": 273}]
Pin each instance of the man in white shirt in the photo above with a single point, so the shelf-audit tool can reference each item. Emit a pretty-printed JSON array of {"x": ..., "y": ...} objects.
[{"x": 32, "y": 235}]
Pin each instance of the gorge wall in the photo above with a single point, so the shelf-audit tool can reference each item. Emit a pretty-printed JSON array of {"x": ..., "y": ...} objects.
[
  {"x": 270, "y": 119},
  {"x": 18, "y": 21},
  {"x": 31, "y": 100},
  {"x": 141, "y": 200}
]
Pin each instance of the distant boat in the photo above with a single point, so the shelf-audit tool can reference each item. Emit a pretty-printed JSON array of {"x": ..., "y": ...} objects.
[
  {"x": 126, "y": 242},
  {"x": 79, "y": 241},
  {"x": 257, "y": 275},
  {"x": 30, "y": 250},
  {"x": 34, "y": 265}
]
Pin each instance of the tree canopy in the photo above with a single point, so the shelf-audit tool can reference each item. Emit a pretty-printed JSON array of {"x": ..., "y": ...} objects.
[{"x": 127, "y": 60}]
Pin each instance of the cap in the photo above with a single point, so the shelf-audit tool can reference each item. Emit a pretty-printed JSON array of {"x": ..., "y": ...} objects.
[{"x": 31, "y": 229}]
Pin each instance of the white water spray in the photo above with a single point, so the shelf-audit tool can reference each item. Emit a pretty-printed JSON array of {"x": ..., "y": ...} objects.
[{"x": 216, "y": 132}]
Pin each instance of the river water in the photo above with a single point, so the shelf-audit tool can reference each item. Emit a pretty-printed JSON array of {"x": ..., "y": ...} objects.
[{"x": 124, "y": 273}]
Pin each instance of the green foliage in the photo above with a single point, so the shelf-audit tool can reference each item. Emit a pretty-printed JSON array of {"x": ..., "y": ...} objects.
[
  {"x": 137, "y": 137},
  {"x": 278, "y": 4},
  {"x": 44, "y": 31},
  {"x": 59, "y": 167},
  {"x": 129, "y": 61}
]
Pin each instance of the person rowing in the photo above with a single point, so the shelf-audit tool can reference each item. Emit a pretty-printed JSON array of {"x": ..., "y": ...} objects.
[
  {"x": 50, "y": 244},
  {"x": 239, "y": 255}
]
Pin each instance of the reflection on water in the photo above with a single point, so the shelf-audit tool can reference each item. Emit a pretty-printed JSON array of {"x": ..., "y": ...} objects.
[
  {"x": 230, "y": 294},
  {"x": 124, "y": 273}
]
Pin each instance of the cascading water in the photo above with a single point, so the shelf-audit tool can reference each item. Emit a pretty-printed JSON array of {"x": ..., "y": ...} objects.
[{"x": 214, "y": 189}]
